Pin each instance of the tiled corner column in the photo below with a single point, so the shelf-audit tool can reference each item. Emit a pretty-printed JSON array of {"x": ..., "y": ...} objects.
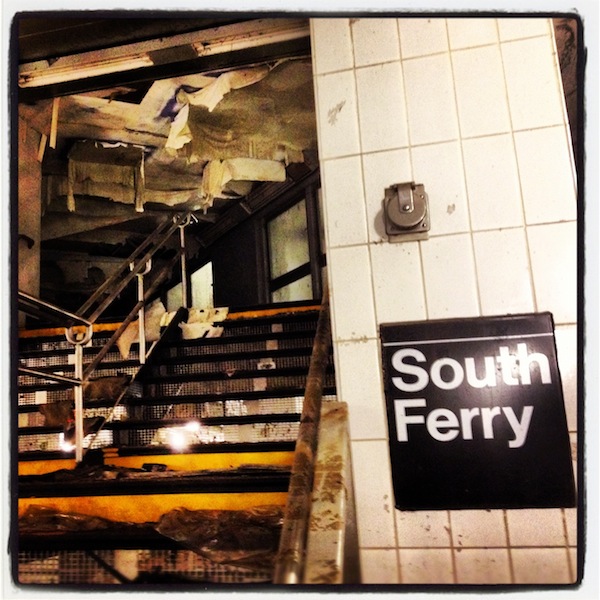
[{"x": 473, "y": 109}]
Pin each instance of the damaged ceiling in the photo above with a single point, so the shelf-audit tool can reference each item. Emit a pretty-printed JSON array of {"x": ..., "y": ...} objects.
[{"x": 171, "y": 115}]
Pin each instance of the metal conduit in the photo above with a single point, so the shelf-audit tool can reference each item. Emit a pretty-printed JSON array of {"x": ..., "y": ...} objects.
[{"x": 289, "y": 563}]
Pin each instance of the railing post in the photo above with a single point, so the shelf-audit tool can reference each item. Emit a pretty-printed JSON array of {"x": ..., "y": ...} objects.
[
  {"x": 184, "y": 281},
  {"x": 142, "y": 311},
  {"x": 79, "y": 340}
]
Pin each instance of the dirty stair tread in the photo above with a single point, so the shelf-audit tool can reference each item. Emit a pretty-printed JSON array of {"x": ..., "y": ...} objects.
[{"x": 106, "y": 481}]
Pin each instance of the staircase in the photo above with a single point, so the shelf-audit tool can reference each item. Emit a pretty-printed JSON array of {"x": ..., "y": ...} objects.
[{"x": 201, "y": 441}]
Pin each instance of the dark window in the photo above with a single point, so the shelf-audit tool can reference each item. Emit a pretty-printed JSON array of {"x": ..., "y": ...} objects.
[{"x": 295, "y": 250}]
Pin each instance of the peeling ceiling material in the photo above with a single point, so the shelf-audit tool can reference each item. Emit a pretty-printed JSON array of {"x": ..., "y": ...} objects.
[
  {"x": 219, "y": 174},
  {"x": 197, "y": 145},
  {"x": 222, "y": 121},
  {"x": 112, "y": 164},
  {"x": 273, "y": 119}
]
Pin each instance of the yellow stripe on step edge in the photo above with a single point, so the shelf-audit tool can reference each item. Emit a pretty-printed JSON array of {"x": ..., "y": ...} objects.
[
  {"x": 248, "y": 314},
  {"x": 149, "y": 508},
  {"x": 177, "y": 462},
  {"x": 198, "y": 462},
  {"x": 40, "y": 467},
  {"x": 58, "y": 331}
]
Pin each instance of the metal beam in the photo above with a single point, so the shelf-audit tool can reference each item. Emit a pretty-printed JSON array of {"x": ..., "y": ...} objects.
[{"x": 203, "y": 64}]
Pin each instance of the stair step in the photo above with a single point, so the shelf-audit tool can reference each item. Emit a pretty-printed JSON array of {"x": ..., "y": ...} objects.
[
  {"x": 119, "y": 482},
  {"x": 146, "y": 505},
  {"x": 244, "y": 339},
  {"x": 115, "y": 491},
  {"x": 282, "y": 392},
  {"x": 241, "y": 397},
  {"x": 227, "y": 364},
  {"x": 236, "y": 355},
  {"x": 134, "y": 424},
  {"x": 207, "y": 456},
  {"x": 125, "y": 537},
  {"x": 58, "y": 350},
  {"x": 229, "y": 375},
  {"x": 244, "y": 389}
]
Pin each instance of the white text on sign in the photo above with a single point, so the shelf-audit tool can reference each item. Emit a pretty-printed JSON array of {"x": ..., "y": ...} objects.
[{"x": 445, "y": 425}]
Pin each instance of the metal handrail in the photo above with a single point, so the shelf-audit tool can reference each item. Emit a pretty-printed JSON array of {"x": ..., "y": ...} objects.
[
  {"x": 137, "y": 264},
  {"x": 117, "y": 282},
  {"x": 289, "y": 563},
  {"x": 36, "y": 307},
  {"x": 118, "y": 400},
  {"x": 51, "y": 376},
  {"x": 165, "y": 270}
]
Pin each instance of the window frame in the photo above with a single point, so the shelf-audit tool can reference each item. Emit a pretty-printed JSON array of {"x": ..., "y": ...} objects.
[{"x": 308, "y": 192}]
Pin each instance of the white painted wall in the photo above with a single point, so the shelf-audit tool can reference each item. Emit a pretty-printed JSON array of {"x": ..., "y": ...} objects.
[{"x": 473, "y": 110}]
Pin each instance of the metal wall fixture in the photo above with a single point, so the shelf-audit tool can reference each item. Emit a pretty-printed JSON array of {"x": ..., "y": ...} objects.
[{"x": 406, "y": 212}]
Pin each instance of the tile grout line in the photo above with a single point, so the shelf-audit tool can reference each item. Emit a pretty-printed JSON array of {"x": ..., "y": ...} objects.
[{"x": 464, "y": 175}]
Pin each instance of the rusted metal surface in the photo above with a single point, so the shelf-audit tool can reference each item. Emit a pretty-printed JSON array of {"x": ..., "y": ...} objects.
[
  {"x": 290, "y": 559},
  {"x": 331, "y": 543}
]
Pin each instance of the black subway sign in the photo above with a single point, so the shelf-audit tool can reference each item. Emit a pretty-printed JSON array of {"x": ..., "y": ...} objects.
[{"x": 476, "y": 414}]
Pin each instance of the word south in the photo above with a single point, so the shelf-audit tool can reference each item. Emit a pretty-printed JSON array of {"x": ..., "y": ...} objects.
[{"x": 448, "y": 373}]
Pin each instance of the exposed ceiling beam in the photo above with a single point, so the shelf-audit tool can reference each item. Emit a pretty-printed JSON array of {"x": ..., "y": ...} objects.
[
  {"x": 218, "y": 49},
  {"x": 47, "y": 35}
]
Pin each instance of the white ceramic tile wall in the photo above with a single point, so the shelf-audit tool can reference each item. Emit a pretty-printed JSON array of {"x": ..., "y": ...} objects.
[
  {"x": 422, "y": 36},
  {"x": 549, "y": 191},
  {"x": 532, "y": 90},
  {"x": 426, "y": 566},
  {"x": 450, "y": 278},
  {"x": 566, "y": 349},
  {"x": 492, "y": 182},
  {"x": 536, "y": 527},
  {"x": 441, "y": 166},
  {"x": 430, "y": 99},
  {"x": 548, "y": 566},
  {"x": 350, "y": 284},
  {"x": 503, "y": 272},
  {"x": 343, "y": 195},
  {"x": 382, "y": 115},
  {"x": 368, "y": 53},
  {"x": 379, "y": 566},
  {"x": 395, "y": 269},
  {"x": 483, "y": 566},
  {"x": 553, "y": 255},
  {"x": 492, "y": 151},
  {"x": 423, "y": 529},
  {"x": 571, "y": 525},
  {"x": 332, "y": 45},
  {"x": 361, "y": 388},
  {"x": 479, "y": 81},
  {"x": 338, "y": 123},
  {"x": 470, "y": 32},
  {"x": 515, "y": 29},
  {"x": 471, "y": 528},
  {"x": 374, "y": 502}
]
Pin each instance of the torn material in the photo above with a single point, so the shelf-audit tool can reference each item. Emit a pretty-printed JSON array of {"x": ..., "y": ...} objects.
[
  {"x": 212, "y": 94},
  {"x": 180, "y": 133},
  {"x": 209, "y": 96},
  {"x": 152, "y": 323},
  {"x": 201, "y": 323},
  {"x": 217, "y": 174}
]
